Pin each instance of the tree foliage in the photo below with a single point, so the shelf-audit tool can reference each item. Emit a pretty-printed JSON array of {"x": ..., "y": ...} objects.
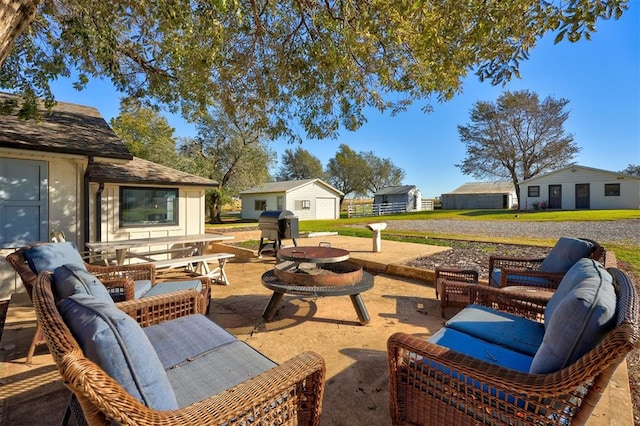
[
  {"x": 517, "y": 137},
  {"x": 632, "y": 169},
  {"x": 313, "y": 66},
  {"x": 230, "y": 151},
  {"x": 299, "y": 164},
  {"x": 146, "y": 133},
  {"x": 381, "y": 172},
  {"x": 361, "y": 173}
]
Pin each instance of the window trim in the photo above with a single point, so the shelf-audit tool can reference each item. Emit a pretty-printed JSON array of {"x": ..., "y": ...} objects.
[
  {"x": 609, "y": 186},
  {"x": 122, "y": 189},
  {"x": 530, "y": 192}
]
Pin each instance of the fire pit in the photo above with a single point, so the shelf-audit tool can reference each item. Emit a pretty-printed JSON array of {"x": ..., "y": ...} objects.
[
  {"x": 316, "y": 271},
  {"x": 320, "y": 274}
]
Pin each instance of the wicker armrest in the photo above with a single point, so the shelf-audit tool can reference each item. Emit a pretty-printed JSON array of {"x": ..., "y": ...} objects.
[
  {"x": 452, "y": 273},
  {"x": 292, "y": 389},
  {"x": 511, "y": 276},
  {"x": 120, "y": 289},
  {"x": 138, "y": 271},
  {"x": 525, "y": 305},
  {"x": 156, "y": 309}
]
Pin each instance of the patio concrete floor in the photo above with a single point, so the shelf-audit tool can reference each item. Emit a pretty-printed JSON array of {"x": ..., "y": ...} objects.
[{"x": 356, "y": 388}]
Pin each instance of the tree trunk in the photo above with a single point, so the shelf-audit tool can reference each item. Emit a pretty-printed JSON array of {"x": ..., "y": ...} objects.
[
  {"x": 215, "y": 208},
  {"x": 15, "y": 18}
]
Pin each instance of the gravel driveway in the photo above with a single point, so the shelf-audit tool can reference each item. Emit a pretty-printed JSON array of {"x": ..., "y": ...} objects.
[{"x": 615, "y": 231}]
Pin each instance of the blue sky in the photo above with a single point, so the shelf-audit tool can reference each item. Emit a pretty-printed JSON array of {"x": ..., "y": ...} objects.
[{"x": 600, "y": 78}]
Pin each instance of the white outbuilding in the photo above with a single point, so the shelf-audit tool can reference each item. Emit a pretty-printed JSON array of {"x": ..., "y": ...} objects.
[
  {"x": 580, "y": 188},
  {"x": 308, "y": 199}
]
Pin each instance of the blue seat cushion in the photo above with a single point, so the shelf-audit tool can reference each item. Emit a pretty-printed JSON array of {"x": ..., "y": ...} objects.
[
  {"x": 579, "y": 321},
  {"x": 140, "y": 288},
  {"x": 515, "y": 279},
  {"x": 48, "y": 257},
  {"x": 170, "y": 286},
  {"x": 115, "y": 342},
  {"x": 499, "y": 328},
  {"x": 73, "y": 279},
  {"x": 481, "y": 349},
  {"x": 565, "y": 253},
  {"x": 215, "y": 371},
  {"x": 186, "y": 337}
]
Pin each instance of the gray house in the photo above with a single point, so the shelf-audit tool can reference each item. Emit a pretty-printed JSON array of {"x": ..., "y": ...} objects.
[
  {"x": 306, "y": 198},
  {"x": 481, "y": 195},
  {"x": 408, "y": 195},
  {"x": 580, "y": 187}
]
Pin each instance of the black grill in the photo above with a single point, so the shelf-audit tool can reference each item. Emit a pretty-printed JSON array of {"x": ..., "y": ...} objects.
[{"x": 277, "y": 225}]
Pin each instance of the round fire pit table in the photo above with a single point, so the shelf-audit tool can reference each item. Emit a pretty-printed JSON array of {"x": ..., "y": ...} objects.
[
  {"x": 320, "y": 254},
  {"x": 280, "y": 288}
]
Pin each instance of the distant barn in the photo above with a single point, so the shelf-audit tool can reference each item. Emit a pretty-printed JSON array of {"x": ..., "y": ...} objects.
[{"x": 481, "y": 195}]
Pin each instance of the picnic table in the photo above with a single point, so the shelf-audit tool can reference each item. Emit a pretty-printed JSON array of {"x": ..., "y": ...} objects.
[{"x": 196, "y": 243}]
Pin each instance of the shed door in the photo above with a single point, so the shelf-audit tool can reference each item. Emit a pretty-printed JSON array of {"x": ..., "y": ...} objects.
[
  {"x": 23, "y": 202},
  {"x": 555, "y": 196},
  {"x": 326, "y": 208},
  {"x": 582, "y": 196}
]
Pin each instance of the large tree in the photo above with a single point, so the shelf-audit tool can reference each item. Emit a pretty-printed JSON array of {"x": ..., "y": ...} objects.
[
  {"x": 517, "y": 137},
  {"x": 299, "y": 164},
  {"x": 632, "y": 169},
  {"x": 230, "y": 151},
  {"x": 346, "y": 171},
  {"x": 146, "y": 133},
  {"x": 381, "y": 172},
  {"x": 313, "y": 66}
]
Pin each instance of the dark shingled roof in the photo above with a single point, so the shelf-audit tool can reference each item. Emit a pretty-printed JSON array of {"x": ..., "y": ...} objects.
[
  {"x": 139, "y": 171},
  {"x": 67, "y": 129}
]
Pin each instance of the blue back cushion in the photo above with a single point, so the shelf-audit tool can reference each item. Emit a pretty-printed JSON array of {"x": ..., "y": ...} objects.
[
  {"x": 116, "y": 342},
  {"x": 565, "y": 253},
  {"x": 48, "y": 257},
  {"x": 72, "y": 279},
  {"x": 580, "y": 319}
]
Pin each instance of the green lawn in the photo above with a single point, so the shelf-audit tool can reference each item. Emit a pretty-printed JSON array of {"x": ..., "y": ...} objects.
[{"x": 629, "y": 254}]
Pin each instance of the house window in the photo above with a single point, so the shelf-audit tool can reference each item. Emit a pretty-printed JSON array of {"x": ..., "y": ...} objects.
[
  {"x": 148, "y": 206},
  {"x": 533, "y": 191},
  {"x": 305, "y": 204},
  {"x": 259, "y": 205},
  {"x": 611, "y": 189}
]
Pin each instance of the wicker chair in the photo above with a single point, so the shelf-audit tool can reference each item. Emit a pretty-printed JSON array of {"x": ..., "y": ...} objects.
[
  {"x": 119, "y": 280},
  {"x": 452, "y": 286},
  {"x": 288, "y": 394},
  {"x": 526, "y": 271},
  {"x": 455, "y": 389}
]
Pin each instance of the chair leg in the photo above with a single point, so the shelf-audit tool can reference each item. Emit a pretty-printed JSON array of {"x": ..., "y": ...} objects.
[{"x": 37, "y": 340}]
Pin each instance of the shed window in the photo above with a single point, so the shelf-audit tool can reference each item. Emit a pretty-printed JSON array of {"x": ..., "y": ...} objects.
[
  {"x": 148, "y": 206},
  {"x": 611, "y": 189},
  {"x": 259, "y": 205},
  {"x": 534, "y": 191},
  {"x": 305, "y": 204}
]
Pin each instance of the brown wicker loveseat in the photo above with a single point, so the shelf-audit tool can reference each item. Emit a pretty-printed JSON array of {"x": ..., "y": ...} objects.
[
  {"x": 467, "y": 380},
  {"x": 196, "y": 355}
]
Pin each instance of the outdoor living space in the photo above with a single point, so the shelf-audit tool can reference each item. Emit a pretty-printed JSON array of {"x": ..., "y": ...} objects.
[{"x": 356, "y": 390}]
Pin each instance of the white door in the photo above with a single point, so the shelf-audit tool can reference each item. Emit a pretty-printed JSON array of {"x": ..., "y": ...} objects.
[
  {"x": 23, "y": 202},
  {"x": 326, "y": 208}
]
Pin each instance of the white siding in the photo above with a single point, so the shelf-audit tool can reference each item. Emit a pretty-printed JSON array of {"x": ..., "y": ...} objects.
[
  {"x": 629, "y": 189},
  {"x": 316, "y": 196}
]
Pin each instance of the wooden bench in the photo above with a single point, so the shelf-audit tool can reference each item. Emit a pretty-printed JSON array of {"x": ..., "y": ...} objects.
[{"x": 202, "y": 262}]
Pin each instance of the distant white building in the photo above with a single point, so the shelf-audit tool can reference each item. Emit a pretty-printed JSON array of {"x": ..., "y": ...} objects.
[
  {"x": 307, "y": 199},
  {"x": 578, "y": 187},
  {"x": 481, "y": 195},
  {"x": 406, "y": 194}
]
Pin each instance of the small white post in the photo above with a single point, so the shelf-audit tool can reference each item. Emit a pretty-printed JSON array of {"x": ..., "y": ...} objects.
[{"x": 377, "y": 232}]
